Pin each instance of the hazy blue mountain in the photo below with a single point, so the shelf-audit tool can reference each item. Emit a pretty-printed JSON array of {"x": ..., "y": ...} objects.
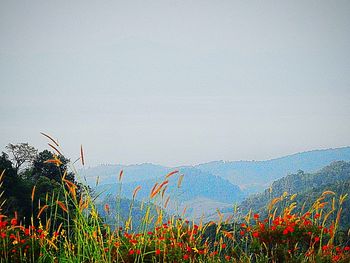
[
  {"x": 254, "y": 176},
  {"x": 195, "y": 184},
  {"x": 219, "y": 182},
  {"x": 109, "y": 174}
]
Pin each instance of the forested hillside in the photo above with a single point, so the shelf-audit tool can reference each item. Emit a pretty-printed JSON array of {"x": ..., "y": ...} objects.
[{"x": 308, "y": 187}]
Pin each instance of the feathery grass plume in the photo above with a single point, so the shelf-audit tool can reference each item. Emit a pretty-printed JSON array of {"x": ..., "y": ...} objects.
[
  {"x": 228, "y": 219},
  {"x": 1, "y": 176},
  {"x": 83, "y": 204},
  {"x": 157, "y": 190},
  {"x": 42, "y": 210},
  {"x": 171, "y": 173},
  {"x": 154, "y": 187},
  {"x": 33, "y": 193},
  {"x": 184, "y": 211},
  {"x": 328, "y": 193},
  {"x": 82, "y": 155},
  {"x": 180, "y": 180},
  {"x": 50, "y": 138},
  {"x": 342, "y": 198},
  {"x": 121, "y": 175},
  {"x": 166, "y": 202},
  {"x": 248, "y": 216},
  {"x": 71, "y": 187},
  {"x": 55, "y": 161},
  {"x": 62, "y": 205},
  {"x": 293, "y": 197},
  {"x": 163, "y": 191},
  {"x": 138, "y": 188},
  {"x": 53, "y": 147}
]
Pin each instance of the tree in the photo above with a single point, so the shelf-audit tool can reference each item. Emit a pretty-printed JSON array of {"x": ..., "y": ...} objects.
[
  {"x": 20, "y": 154},
  {"x": 15, "y": 191}
]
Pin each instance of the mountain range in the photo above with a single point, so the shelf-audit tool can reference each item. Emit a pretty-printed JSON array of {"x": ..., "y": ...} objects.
[{"x": 220, "y": 184}]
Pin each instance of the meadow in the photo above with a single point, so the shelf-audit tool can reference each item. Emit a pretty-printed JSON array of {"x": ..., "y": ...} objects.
[{"x": 66, "y": 226}]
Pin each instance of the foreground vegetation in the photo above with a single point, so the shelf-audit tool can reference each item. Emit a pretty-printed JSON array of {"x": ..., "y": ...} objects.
[{"x": 64, "y": 225}]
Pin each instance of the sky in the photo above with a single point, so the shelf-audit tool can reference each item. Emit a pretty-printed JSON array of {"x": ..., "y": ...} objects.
[{"x": 175, "y": 82}]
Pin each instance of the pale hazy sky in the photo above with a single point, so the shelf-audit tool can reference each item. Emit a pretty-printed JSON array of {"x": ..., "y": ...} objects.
[{"x": 175, "y": 82}]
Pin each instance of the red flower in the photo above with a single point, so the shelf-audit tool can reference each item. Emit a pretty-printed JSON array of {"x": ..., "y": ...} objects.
[
  {"x": 214, "y": 253},
  {"x": 242, "y": 233},
  {"x": 227, "y": 258},
  {"x": 138, "y": 251},
  {"x": 107, "y": 208},
  {"x": 287, "y": 230},
  {"x": 317, "y": 215},
  {"x": 131, "y": 252},
  {"x": 256, "y": 234},
  {"x": 157, "y": 251},
  {"x": 150, "y": 233},
  {"x": 13, "y": 221},
  {"x": 133, "y": 241},
  {"x": 347, "y": 248},
  {"x": 317, "y": 239},
  {"x": 185, "y": 257},
  {"x": 3, "y": 224},
  {"x": 336, "y": 258},
  {"x": 262, "y": 226},
  {"x": 256, "y": 216},
  {"x": 223, "y": 245}
]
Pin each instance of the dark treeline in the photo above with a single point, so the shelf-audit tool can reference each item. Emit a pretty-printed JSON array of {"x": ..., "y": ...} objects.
[{"x": 31, "y": 180}]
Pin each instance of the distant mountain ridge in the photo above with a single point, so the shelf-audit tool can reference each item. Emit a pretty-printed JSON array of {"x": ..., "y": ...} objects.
[
  {"x": 250, "y": 176},
  {"x": 254, "y": 176},
  {"x": 218, "y": 182}
]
